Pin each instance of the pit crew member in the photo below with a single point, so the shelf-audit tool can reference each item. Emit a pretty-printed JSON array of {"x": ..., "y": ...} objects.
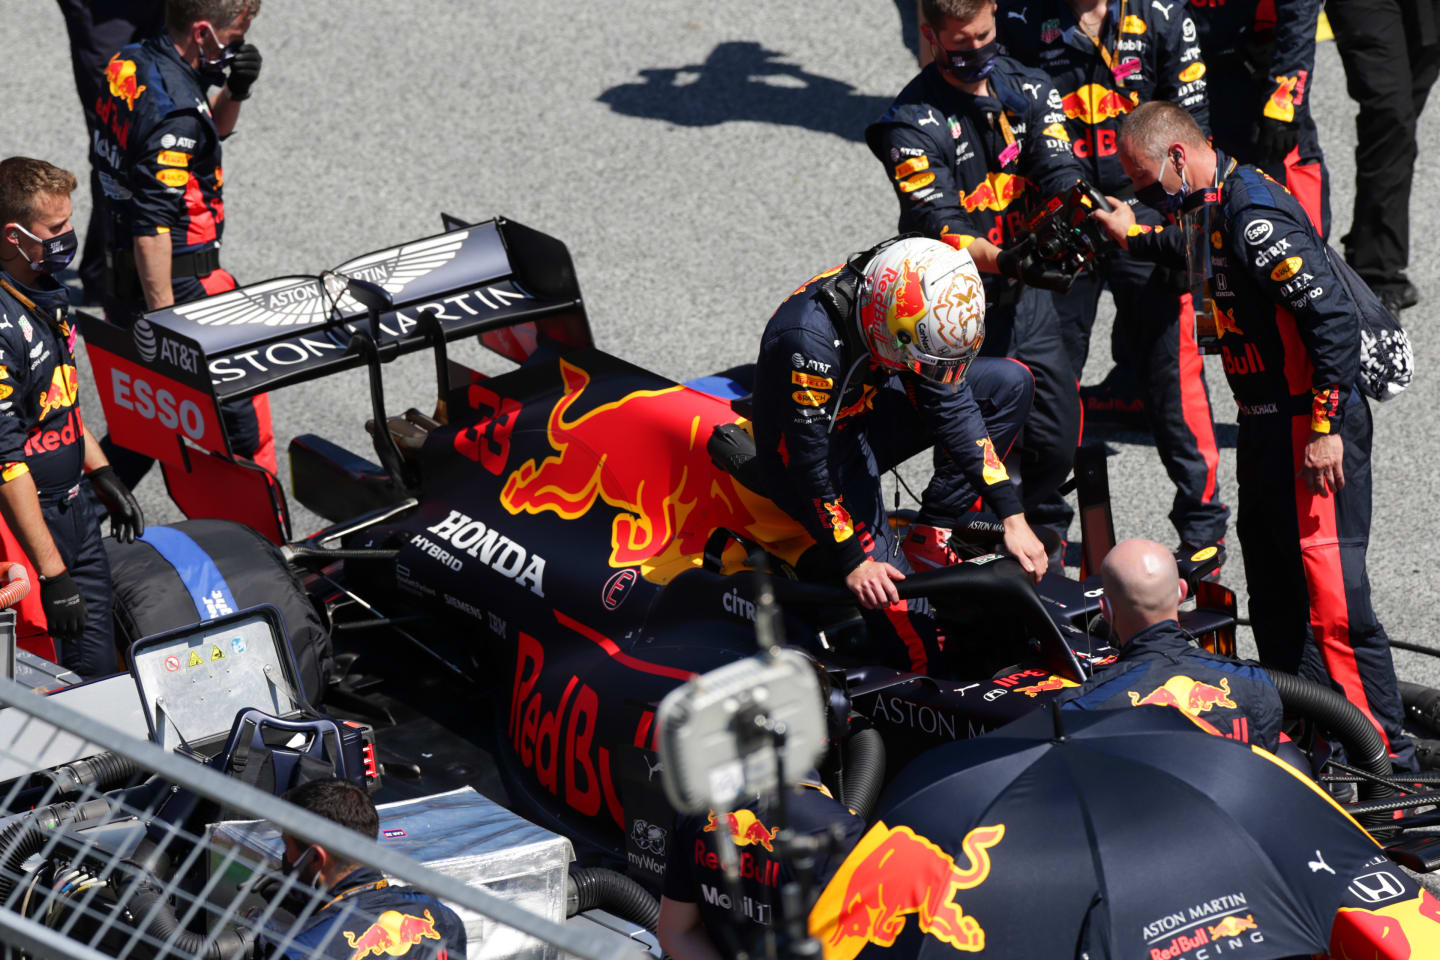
[
  {"x": 1290, "y": 345},
  {"x": 97, "y": 28},
  {"x": 357, "y": 898},
  {"x": 1159, "y": 662},
  {"x": 695, "y": 924},
  {"x": 861, "y": 368},
  {"x": 1260, "y": 57},
  {"x": 157, "y": 147},
  {"x": 1105, "y": 57},
  {"x": 969, "y": 146},
  {"x": 1390, "y": 50},
  {"x": 45, "y": 447}
]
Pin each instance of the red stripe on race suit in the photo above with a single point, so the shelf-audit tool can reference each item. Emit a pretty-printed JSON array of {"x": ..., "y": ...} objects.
[
  {"x": 1194, "y": 404},
  {"x": 1325, "y": 579},
  {"x": 1304, "y": 181},
  {"x": 200, "y": 219},
  {"x": 898, "y": 614}
]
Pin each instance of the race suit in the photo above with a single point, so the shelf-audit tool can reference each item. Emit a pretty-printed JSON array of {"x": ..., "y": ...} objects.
[
  {"x": 365, "y": 915},
  {"x": 1144, "y": 52},
  {"x": 158, "y": 155},
  {"x": 42, "y": 434},
  {"x": 959, "y": 173},
  {"x": 1261, "y": 56},
  {"x": 1162, "y": 666},
  {"x": 813, "y": 371},
  {"x": 1391, "y": 53},
  {"x": 1290, "y": 346},
  {"x": 694, "y": 871}
]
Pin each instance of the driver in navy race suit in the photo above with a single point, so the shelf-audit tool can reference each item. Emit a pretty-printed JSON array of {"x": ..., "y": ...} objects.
[{"x": 861, "y": 368}]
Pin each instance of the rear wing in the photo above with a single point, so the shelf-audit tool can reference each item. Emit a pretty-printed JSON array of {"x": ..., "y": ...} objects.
[{"x": 162, "y": 381}]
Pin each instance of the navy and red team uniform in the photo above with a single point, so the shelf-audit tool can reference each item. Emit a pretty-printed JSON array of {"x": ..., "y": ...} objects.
[
  {"x": 1161, "y": 664},
  {"x": 42, "y": 434},
  {"x": 1290, "y": 346},
  {"x": 693, "y": 872},
  {"x": 366, "y": 915},
  {"x": 1154, "y": 57},
  {"x": 1261, "y": 57},
  {"x": 158, "y": 155},
  {"x": 960, "y": 173},
  {"x": 813, "y": 371}
]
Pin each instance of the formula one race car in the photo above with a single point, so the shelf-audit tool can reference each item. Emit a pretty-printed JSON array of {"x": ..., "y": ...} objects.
[{"x": 529, "y": 569}]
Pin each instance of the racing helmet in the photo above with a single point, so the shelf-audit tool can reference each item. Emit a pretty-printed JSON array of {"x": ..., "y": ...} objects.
[{"x": 922, "y": 309}]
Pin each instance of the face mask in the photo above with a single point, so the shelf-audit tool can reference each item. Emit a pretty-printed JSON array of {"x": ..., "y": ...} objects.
[
  {"x": 970, "y": 66},
  {"x": 298, "y": 868},
  {"x": 1155, "y": 195},
  {"x": 213, "y": 71},
  {"x": 55, "y": 253}
]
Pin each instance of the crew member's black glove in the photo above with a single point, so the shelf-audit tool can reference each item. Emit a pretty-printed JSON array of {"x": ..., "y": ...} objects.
[
  {"x": 64, "y": 607},
  {"x": 244, "y": 70},
  {"x": 1273, "y": 142},
  {"x": 1020, "y": 262},
  {"x": 126, "y": 520}
]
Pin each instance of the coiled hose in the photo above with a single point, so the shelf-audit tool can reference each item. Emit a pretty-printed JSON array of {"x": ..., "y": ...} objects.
[
  {"x": 1363, "y": 747},
  {"x": 17, "y": 585},
  {"x": 165, "y": 927},
  {"x": 591, "y": 887},
  {"x": 864, "y": 770},
  {"x": 104, "y": 771}
]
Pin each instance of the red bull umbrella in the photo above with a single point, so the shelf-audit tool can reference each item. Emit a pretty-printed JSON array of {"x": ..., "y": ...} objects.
[{"x": 1129, "y": 835}]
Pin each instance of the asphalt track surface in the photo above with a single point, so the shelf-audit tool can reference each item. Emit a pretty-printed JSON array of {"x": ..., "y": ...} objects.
[{"x": 699, "y": 164}]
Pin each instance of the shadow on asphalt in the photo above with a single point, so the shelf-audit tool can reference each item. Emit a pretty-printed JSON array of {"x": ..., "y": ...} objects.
[
  {"x": 1225, "y": 433},
  {"x": 742, "y": 80}
]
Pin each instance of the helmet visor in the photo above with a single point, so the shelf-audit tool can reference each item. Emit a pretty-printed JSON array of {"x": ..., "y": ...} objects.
[{"x": 938, "y": 369}]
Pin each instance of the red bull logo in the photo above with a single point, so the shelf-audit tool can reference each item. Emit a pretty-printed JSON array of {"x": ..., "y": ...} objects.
[
  {"x": 1190, "y": 696},
  {"x": 63, "y": 391},
  {"x": 892, "y": 874},
  {"x": 120, "y": 75},
  {"x": 907, "y": 304},
  {"x": 668, "y": 493},
  {"x": 392, "y": 935},
  {"x": 1287, "y": 93},
  {"x": 1233, "y": 926},
  {"x": 1407, "y": 930},
  {"x": 839, "y": 520},
  {"x": 1045, "y": 686},
  {"x": 1225, "y": 323},
  {"x": 994, "y": 469},
  {"x": 745, "y": 829},
  {"x": 1094, "y": 103},
  {"x": 995, "y": 192}
]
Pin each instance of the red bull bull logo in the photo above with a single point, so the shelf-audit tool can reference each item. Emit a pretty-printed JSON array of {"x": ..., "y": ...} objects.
[
  {"x": 1190, "y": 696},
  {"x": 894, "y": 873},
  {"x": 668, "y": 493},
  {"x": 392, "y": 935},
  {"x": 994, "y": 469},
  {"x": 120, "y": 75},
  {"x": 1225, "y": 323},
  {"x": 1094, "y": 103},
  {"x": 745, "y": 829},
  {"x": 1233, "y": 926},
  {"x": 907, "y": 304},
  {"x": 63, "y": 391},
  {"x": 1287, "y": 94},
  {"x": 995, "y": 192},
  {"x": 1045, "y": 686},
  {"x": 1406, "y": 930},
  {"x": 839, "y": 520}
]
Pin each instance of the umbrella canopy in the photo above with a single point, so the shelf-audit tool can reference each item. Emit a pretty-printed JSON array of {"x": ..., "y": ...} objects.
[{"x": 1135, "y": 837}]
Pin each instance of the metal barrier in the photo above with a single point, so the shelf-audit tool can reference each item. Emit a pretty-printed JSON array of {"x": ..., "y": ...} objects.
[{"x": 77, "y": 877}]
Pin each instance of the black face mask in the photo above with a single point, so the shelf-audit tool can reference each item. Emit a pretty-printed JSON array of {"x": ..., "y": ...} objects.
[
  {"x": 970, "y": 66},
  {"x": 1155, "y": 196},
  {"x": 55, "y": 252}
]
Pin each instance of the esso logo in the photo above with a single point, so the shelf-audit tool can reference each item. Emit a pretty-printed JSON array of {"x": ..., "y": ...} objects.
[{"x": 139, "y": 397}]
